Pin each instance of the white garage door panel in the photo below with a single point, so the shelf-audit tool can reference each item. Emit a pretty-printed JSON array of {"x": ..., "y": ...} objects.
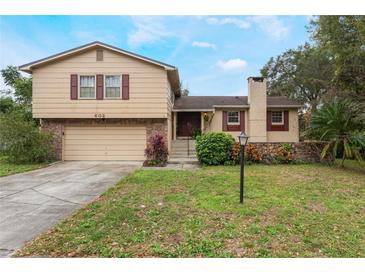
[
  {"x": 104, "y": 143},
  {"x": 104, "y": 158},
  {"x": 105, "y": 136},
  {"x": 101, "y": 147}
]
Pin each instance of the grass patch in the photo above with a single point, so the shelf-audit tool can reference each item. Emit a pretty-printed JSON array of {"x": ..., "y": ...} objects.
[
  {"x": 351, "y": 165},
  {"x": 289, "y": 211},
  {"x": 7, "y": 168}
]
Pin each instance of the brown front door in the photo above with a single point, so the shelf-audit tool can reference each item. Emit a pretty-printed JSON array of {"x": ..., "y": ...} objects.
[{"x": 187, "y": 122}]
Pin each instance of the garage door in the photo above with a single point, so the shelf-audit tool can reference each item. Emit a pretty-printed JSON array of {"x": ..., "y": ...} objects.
[{"x": 104, "y": 143}]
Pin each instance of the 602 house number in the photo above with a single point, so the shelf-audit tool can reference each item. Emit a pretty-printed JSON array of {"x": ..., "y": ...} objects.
[{"x": 99, "y": 115}]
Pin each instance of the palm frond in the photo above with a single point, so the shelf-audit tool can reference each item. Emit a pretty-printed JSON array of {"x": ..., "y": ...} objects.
[
  {"x": 347, "y": 149},
  {"x": 357, "y": 155},
  {"x": 325, "y": 150}
]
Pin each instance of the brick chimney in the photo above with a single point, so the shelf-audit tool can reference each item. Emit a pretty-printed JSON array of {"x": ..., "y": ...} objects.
[{"x": 257, "y": 111}]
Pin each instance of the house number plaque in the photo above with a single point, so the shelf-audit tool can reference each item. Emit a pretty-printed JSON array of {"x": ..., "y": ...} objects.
[{"x": 99, "y": 115}]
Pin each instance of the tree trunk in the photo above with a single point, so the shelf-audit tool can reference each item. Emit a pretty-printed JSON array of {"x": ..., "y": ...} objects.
[{"x": 343, "y": 158}]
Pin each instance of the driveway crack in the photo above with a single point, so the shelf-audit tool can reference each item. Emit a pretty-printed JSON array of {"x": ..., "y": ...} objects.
[{"x": 54, "y": 197}]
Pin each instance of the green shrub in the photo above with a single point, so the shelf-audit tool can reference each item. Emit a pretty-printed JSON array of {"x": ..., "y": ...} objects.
[
  {"x": 230, "y": 163},
  {"x": 23, "y": 142},
  {"x": 196, "y": 132},
  {"x": 214, "y": 148}
]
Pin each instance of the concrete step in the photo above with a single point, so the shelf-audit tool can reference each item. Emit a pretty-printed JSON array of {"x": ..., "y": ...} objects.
[
  {"x": 179, "y": 152},
  {"x": 183, "y": 160},
  {"x": 183, "y": 144},
  {"x": 181, "y": 155},
  {"x": 182, "y": 149}
]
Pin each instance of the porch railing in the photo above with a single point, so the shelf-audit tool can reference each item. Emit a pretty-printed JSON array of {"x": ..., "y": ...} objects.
[{"x": 188, "y": 146}]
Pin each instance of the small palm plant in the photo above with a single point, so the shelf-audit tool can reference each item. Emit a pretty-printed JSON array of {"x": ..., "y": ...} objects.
[{"x": 341, "y": 124}]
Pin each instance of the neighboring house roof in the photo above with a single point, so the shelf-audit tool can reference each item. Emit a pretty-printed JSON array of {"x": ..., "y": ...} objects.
[
  {"x": 211, "y": 102},
  {"x": 172, "y": 71}
]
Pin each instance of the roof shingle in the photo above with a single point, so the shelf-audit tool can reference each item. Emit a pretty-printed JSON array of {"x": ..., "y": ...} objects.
[{"x": 209, "y": 102}]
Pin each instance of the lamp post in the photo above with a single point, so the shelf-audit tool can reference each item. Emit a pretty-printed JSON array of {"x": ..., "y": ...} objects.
[{"x": 243, "y": 138}]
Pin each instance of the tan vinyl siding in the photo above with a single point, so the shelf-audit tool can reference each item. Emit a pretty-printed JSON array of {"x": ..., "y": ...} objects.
[
  {"x": 170, "y": 103},
  {"x": 272, "y": 136},
  {"x": 170, "y": 98},
  {"x": 147, "y": 88},
  {"x": 216, "y": 124},
  {"x": 286, "y": 136},
  {"x": 104, "y": 143}
]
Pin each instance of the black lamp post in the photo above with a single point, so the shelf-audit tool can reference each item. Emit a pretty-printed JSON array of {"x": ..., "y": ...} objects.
[{"x": 243, "y": 138}]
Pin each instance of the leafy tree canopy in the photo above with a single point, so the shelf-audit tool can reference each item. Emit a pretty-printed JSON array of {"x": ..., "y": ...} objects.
[
  {"x": 333, "y": 65},
  {"x": 21, "y": 86},
  {"x": 303, "y": 74},
  {"x": 344, "y": 38}
]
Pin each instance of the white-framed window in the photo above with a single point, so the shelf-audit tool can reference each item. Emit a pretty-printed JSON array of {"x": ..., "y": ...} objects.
[
  {"x": 112, "y": 85},
  {"x": 233, "y": 118},
  {"x": 87, "y": 87},
  {"x": 277, "y": 118}
]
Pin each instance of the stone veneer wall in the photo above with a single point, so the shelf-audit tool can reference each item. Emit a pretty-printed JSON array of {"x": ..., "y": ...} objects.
[
  {"x": 304, "y": 151},
  {"x": 56, "y": 127}
]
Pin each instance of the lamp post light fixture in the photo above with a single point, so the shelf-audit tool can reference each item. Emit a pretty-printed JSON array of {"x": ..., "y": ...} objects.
[{"x": 242, "y": 138}]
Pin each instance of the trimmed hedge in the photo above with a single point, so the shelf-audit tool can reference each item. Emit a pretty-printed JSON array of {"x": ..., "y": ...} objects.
[{"x": 214, "y": 148}]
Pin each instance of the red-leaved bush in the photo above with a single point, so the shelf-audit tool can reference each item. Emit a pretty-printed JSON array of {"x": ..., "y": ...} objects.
[{"x": 157, "y": 148}]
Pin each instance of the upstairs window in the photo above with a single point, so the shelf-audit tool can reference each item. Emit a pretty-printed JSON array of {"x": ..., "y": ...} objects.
[
  {"x": 233, "y": 118},
  {"x": 87, "y": 87},
  {"x": 277, "y": 118},
  {"x": 112, "y": 86}
]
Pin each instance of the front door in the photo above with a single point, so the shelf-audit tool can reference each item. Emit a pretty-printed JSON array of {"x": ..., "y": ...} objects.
[{"x": 187, "y": 122}]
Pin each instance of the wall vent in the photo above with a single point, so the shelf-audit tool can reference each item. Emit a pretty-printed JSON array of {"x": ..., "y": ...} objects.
[{"x": 99, "y": 55}]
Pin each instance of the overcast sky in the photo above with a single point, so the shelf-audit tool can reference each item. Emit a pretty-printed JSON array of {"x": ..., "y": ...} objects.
[{"x": 214, "y": 54}]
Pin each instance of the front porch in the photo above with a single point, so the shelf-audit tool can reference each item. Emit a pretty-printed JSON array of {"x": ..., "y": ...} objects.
[{"x": 187, "y": 124}]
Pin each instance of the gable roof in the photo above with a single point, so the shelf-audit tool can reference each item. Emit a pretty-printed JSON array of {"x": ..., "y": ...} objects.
[
  {"x": 28, "y": 67},
  {"x": 211, "y": 102},
  {"x": 172, "y": 71}
]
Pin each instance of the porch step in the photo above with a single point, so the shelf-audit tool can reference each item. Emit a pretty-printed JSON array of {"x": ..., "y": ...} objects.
[
  {"x": 183, "y": 144},
  {"x": 183, "y": 160},
  {"x": 183, "y": 152},
  {"x": 179, "y": 155}
]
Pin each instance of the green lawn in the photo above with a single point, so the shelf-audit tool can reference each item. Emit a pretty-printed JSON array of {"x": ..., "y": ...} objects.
[
  {"x": 289, "y": 211},
  {"x": 351, "y": 165},
  {"x": 7, "y": 168}
]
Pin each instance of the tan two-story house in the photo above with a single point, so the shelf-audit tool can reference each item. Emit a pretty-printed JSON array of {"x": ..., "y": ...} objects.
[{"x": 103, "y": 103}]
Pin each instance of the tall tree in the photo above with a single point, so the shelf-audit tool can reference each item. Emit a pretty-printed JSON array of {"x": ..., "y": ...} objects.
[
  {"x": 21, "y": 86},
  {"x": 10, "y": 75},
  {"x": 303, "y": 74},
  {"x": 18, "y": 97},
  {"x": 7, "y": 104},
  {"x": 184, "y": 90},
  {"x": 344, "y": 38}
]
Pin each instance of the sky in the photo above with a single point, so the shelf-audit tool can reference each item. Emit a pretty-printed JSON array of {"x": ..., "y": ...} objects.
[{"x": 214, "y": 54}]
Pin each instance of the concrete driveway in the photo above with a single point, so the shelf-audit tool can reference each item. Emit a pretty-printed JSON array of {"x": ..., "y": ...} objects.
[{"x": 32, "y": 202}]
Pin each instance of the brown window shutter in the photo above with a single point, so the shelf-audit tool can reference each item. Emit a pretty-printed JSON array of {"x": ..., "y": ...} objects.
[
  {"x": 242, "y": 121},
  {"x": 286, "y": 120},
  {"x": 268, "y": 121},
  {"x": 73, "y": 87},
  {"x": 125, "y": 86},
  {"x": 99, "y": 87},
  {"x": 224, "y": 121}
]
